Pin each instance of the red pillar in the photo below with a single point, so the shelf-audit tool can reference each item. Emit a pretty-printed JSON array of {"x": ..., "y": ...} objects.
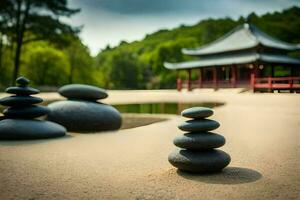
[
  {"x": 200, "y": 80},
  {"x": 233, "y": 76},
  {"x": 252, "y": 77},
  {"x": 269, "y": 84},
  {"x": 252, "y": 81},
  {"x": 291, "y": 83},
  {"x": 189, "y": 79},
  {"x": 179, "y": 84},
  {"x": 215, "y": 78}
]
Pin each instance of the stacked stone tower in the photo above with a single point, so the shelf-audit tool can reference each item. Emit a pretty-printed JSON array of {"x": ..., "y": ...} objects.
[
  {"x": 198, "y": 151},
  {"x": 82, "y": 112},
  {"x": 18, "y": 121}
]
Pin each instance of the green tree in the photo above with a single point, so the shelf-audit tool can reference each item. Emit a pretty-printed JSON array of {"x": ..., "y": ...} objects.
[
  {"x": 3, "y": 29},
  {"x": 34, "y": 20},
  {"x": 47, "y": 66},
  {"x": 81, "y": 63},
  {"x": 121, "y": 70}
]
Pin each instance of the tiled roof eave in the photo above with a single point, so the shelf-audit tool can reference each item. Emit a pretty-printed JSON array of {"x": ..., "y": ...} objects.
[{"x": 234, "y": 60}]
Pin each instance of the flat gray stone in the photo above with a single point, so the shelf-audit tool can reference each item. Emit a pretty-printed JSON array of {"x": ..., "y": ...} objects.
[
  {"x": 199, "y": 125},
  {"x": 199, "y": 140},
  {"x": 27, "y": 112},
  {"x": 22, "y": 90},
  {"x": 199, "y": 161},
  {"x": 84, "y": 116},
  {"x": 20, "y": 100},
  {"x": 22, "y": 129},
  {"x": 22, "y": 81},
  {"x": 85, "y": 92},
  {"x": 197, "y": 112}
]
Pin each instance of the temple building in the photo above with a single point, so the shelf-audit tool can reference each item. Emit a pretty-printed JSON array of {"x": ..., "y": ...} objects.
[{"x": 245, "y": 57}]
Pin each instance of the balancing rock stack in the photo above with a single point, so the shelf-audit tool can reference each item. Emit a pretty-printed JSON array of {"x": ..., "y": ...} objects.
[
  {"x": 18, "y": 122},
  {"x": 198, "y": 153},
  {"x": 81, "y": 112}
]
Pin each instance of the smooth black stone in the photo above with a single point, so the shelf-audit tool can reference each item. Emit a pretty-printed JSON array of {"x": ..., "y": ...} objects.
[
  {"x": 27, "y": 112},
  {"x": 22, "y": 129},
  {"x": 22, "y": 81},
  {"x": 199, "y": 125},
  {"x": 85, "y": 92},
  {"x": 20, "y": 100},
  {"x": 199, "y": 161},
  {"x": 197, "y": 112},
  {"x": 199, "y": 140},
  {"x": 22, "y": 90},
  {"x": 85, "y": 116}
]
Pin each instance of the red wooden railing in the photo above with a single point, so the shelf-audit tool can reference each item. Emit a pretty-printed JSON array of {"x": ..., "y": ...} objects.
[
  {"x": 210, "y": 84},
  {"x": 275, "y": 83},
  {"x": 269, "y": 83}
]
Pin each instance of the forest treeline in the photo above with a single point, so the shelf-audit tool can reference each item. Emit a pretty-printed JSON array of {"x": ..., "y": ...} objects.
[{"x": 135, "y": 65}]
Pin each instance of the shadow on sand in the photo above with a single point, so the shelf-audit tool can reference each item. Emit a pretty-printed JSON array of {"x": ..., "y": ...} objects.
[{"x": 229, "y": 175}]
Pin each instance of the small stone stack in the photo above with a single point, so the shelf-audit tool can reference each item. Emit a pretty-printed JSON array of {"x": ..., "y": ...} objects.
[
  {"x": 19, "y": 122},
  {"x": 198, "y": 153},
  {"x": 81, "y": 112}
]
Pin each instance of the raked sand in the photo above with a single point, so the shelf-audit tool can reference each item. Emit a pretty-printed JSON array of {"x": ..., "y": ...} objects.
[{"x": 263, "y": 139}]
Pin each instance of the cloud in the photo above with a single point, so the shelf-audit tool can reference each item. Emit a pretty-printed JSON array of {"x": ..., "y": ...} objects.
[{"x": 149, "y": 7}]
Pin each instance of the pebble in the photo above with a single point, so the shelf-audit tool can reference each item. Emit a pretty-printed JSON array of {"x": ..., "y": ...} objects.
[
  {"x": 84, "y": 116},
  {"x": 197, "y": 112},
  {"x": 26, "y": 112},
  {"x": 20, "y": 100},
  {"x": 80, "y": 91},
  {"x": 199, "y": 125},
  {"x": 199, "y": 161},
  {"x": 22, "y": 90},
  {"x": 22, "y": 81},
  {"x": 25, "y": 129},
  {"x": 199, "y": 140}
]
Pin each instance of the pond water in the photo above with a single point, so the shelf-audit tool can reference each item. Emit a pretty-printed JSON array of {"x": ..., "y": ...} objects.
[
  {"x": 161, "y": 108},
  {"x": 156, "y": 108}
]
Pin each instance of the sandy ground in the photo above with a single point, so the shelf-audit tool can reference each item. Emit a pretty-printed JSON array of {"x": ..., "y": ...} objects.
[{"x": 262, "y": 132}]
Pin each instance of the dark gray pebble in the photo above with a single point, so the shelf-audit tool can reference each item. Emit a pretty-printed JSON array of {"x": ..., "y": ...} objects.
[
  {"x": 22, "y": 129},
  {"x": 22, "y": 81},
  {"x": 20, "y": 100},
  {"x": 84, "y": 116},
  {"x": 199, "y": 140},
  {"x": 197, "y": 112},
  {"x": 199, "y": 125},
  {"x": 26, "y": 112},
  {"x": 85, "y": 92},
  {"x": 22, "y": 90},
  {"x": 199, "y": 161}
]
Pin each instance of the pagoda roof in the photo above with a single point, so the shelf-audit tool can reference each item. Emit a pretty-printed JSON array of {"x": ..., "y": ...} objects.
[
  {"x": 243, "y": 58},
  {"x": 243, "y": 37}
]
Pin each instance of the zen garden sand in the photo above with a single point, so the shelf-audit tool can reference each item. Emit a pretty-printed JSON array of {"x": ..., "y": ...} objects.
[{"x": 262, "y": 138}]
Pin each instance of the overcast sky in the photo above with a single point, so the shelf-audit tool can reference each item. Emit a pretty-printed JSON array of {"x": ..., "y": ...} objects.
[{"x": 111, "y": 21}]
